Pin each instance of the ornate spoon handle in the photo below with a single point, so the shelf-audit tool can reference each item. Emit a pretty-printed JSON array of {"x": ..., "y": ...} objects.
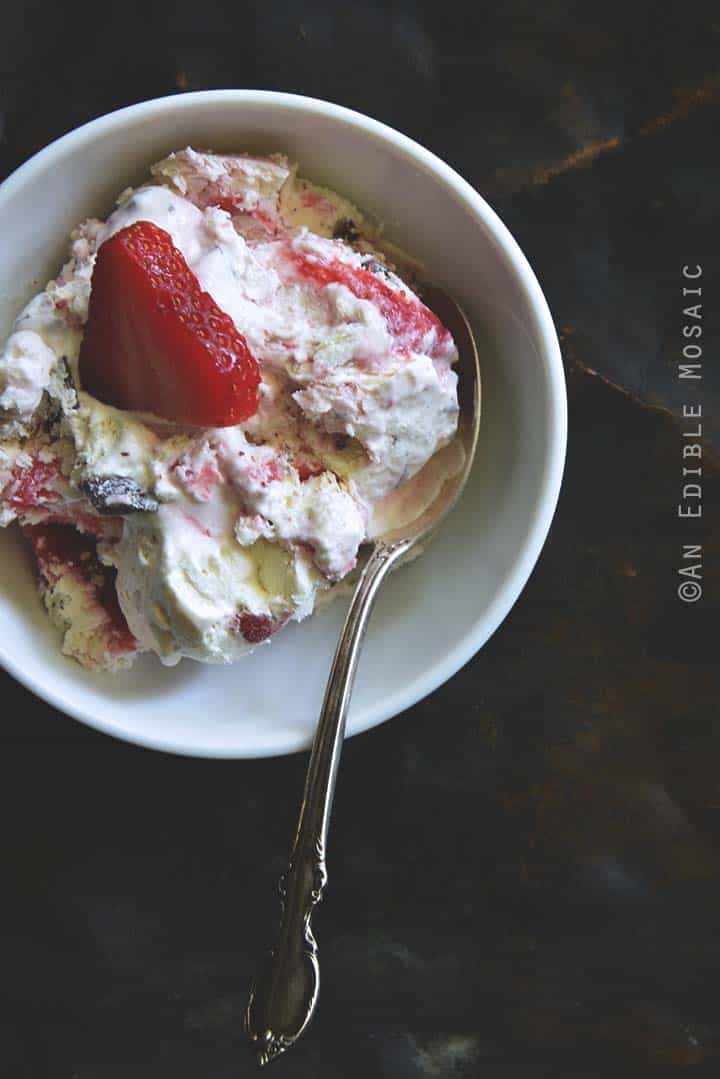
[{"x": 282, "y": 1001}]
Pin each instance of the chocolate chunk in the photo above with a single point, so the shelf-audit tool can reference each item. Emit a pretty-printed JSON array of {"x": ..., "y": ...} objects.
[
  {"x": 64, "y": 368},
  {"x": 117, "y": 495},
  {"x": 374, "y": 266},
  {"x": 52, "y": 414},
  {"x": 346, "y": 229}
]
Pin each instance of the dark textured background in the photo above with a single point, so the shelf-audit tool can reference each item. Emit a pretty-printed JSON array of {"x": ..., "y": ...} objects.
[{"x": 525, "y": 870}]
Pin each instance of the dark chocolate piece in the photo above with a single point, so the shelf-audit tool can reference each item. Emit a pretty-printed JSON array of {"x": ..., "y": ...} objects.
[
  {"x": 375, "y": 266},
  {"x": 116, "y": 495},
  {"x": 346, "y": 229}
]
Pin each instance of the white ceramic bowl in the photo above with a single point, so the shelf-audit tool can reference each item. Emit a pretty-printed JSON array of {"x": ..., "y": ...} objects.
[{"x": 432, "y": 615}]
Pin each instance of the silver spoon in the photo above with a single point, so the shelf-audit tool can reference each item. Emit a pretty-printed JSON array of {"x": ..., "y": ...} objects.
[{"x": 283, "y": 1000}]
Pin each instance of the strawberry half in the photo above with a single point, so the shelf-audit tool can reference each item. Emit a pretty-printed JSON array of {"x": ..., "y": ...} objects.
[{"x": 155, "y": 342}]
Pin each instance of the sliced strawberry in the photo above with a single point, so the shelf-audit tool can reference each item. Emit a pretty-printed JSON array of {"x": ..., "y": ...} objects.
[{"x": 155, "y": 342}]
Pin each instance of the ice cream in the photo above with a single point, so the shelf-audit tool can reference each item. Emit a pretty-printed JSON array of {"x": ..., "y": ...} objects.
[{"x": 217, "y": 536}]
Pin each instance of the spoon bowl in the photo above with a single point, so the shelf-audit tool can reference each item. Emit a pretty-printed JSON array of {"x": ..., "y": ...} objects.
[{"x": 448, "y": 470}]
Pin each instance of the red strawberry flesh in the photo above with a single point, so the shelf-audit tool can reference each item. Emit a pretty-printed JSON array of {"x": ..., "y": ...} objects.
[
  {"x": 155, "y": 342},
  {"x": 59, "y": 550},
  {"x": 256, "y": 627},
  {"x": 37, "y": 492},
  {"x": 406, "y": 317}
]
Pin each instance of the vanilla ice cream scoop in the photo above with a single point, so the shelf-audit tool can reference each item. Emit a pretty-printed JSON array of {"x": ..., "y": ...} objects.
[{"x": 225, "y": 534}]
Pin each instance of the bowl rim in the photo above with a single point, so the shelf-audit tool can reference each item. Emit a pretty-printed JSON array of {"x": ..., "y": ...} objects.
[{"x": 540, "y": 324}]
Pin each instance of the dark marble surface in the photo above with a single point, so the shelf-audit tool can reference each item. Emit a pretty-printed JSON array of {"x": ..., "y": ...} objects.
[{"x": 525, "y": 870}]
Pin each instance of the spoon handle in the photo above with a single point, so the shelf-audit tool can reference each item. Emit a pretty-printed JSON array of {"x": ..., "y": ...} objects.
[{"x": 282, "y": 1001}]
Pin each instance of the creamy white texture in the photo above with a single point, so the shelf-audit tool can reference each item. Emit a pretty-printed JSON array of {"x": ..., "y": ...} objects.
[
  {"x": 253, "y": 520},
  {"x": 181, "y": 587},
  {"x": 25, "y": 373},
  {"x": 73, "y": 609}
]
